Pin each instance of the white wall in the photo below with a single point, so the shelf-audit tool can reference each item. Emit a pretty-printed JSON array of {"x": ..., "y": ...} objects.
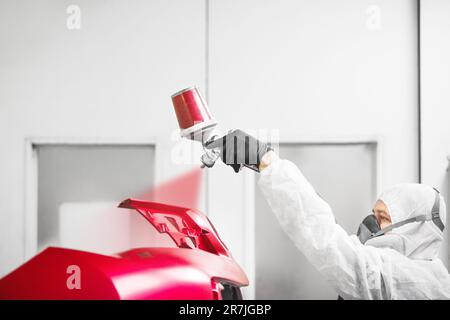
[
  {"x": 111, "y": 78},
  {"x": 435, "y": 100},
  {"x": 318, "y": 68}
]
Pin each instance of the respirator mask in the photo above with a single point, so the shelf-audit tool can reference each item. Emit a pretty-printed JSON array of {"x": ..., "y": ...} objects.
[{"x": 369, "y": 229}]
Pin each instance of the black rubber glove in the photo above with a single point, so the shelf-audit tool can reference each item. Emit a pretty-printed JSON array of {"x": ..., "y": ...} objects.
[{"x": 238, "y": 148}]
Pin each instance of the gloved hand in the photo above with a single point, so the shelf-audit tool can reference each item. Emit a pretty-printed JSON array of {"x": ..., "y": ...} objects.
[{"x": 238, "y": 148}]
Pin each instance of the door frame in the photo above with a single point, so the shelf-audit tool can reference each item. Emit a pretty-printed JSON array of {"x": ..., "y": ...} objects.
[
  {"x": 249, "y": 181},
  {"x": 30, "y": 240}
]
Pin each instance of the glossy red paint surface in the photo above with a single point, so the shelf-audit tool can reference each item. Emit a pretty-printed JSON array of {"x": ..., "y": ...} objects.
[
  {"x": 190, "y": 108},
  {"x": 191, "y": 271}
]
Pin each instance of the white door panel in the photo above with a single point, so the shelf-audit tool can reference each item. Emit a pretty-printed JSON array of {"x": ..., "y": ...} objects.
[
  {"x": 314, "y": 68},
  {"x": 344, "y": 175}
]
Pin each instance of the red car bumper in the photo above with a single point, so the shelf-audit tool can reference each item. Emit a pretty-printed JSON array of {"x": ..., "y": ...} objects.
[{"x": 200, "y": 268}]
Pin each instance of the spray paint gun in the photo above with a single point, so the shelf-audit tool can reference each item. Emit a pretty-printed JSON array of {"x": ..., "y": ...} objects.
[{"x": 196, "y": 122}]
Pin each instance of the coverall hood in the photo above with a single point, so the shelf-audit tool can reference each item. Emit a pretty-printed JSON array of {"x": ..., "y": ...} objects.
[{"x": 417, "y": 240}]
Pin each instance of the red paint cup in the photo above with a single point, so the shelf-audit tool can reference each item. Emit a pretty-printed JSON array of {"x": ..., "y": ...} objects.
[{"x": 194, "y": 118}]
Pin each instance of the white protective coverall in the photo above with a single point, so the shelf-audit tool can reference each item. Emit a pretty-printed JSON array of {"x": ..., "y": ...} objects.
[{"x": 358, "y": 271}]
